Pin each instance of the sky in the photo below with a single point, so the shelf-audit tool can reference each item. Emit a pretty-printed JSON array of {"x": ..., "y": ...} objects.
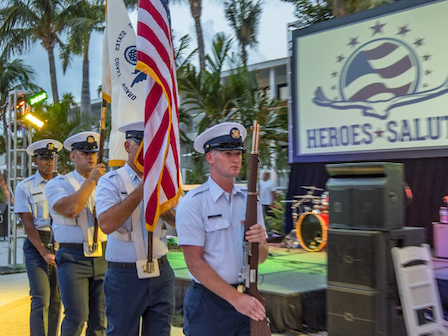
[{"x": 272, "y": 44}]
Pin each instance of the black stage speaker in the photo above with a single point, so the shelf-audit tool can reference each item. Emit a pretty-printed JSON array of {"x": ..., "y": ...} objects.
[
  {"x": 366, "y": 196},
  {"x": 363, "y": 259},
  {"x": 355, "y": 312}
]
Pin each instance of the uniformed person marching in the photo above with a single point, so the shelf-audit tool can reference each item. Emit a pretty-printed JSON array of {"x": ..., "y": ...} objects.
[
  {"x": 130, "y": 293},
  {"x": 80, "y": 263},
  {"x": 210, "y": 231},
  {"x": 31, "y": 205}
]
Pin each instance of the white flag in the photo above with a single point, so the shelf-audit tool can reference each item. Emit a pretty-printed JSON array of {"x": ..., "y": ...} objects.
[{"x": 122, "y": 86}]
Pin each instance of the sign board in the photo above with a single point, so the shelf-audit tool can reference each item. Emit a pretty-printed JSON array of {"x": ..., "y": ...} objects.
[{"x": 372, "y": 85}]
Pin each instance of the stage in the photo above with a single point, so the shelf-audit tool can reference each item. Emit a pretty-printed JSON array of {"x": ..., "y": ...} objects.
[{"x": 294, "y": 283}]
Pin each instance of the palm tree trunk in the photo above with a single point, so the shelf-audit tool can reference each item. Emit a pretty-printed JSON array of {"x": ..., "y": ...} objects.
[
  {"x": 244, "y": 56},
  {"x": 339, "y": 8},
  {"x": 196, "y": 12},
  {"x": 54, "y": 82},
  {"x": 85, "y": 90}
]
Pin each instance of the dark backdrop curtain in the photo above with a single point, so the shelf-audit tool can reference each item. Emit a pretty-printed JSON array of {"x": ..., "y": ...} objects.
[{"x": 427, "y": 178}]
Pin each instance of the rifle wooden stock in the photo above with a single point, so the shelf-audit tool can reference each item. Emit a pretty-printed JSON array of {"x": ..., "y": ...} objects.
[{"x": 257, "y": 328}]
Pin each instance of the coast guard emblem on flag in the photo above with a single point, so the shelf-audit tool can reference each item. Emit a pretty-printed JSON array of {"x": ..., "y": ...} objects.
[{"x": 380, "y": 75}]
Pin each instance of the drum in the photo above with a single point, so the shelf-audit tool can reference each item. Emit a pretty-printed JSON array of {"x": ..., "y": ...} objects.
[{"x": 311, "y": 230}]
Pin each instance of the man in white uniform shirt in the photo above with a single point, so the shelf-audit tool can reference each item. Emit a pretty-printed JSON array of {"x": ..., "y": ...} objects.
[
  {"x": 210, "y": 230},
  {"x": 131, "y": 295},
  {"x": 80, "y": 270},
  {"x": 31, "y": 205}
]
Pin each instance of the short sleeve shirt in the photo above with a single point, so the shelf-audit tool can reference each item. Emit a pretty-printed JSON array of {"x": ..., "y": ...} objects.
[
  {"x": 205, "y": 217},
  {"x": 111, "y": 191},
  {"x": 29, "y": 197},
  {"x": 58, "y": 188}
]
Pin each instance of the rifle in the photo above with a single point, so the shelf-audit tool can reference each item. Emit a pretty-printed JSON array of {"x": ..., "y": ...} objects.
[
  {"x": 250, "y": 272},
  {"x": 93, "y": 249}
]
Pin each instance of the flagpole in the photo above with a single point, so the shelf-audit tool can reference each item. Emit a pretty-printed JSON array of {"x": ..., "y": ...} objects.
[
  {"x": 102, "y": 132},
  {"x": 100, "y": 160}
]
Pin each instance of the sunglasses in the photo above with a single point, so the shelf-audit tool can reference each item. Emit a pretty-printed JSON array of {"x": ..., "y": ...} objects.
[{"x": 137, "y": 138}]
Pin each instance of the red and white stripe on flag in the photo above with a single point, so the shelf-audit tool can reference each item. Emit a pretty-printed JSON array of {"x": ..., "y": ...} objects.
[{"x": 155, "y": 55}]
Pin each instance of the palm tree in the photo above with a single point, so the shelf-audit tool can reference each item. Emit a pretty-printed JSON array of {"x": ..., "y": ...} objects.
[
  {"x": 313, "y": 11},
  {"x": 244, "y": 18},
  {"x": 196, "y": 12},
  {"x": 26, "y": 22},
  {"x": 204, "y": 94},
  {"x": 345, "y": 7},
  {"x": 87, "y": 17},
  {"x": 236, "y": 98},
  {"x": 12, "y": 74}
]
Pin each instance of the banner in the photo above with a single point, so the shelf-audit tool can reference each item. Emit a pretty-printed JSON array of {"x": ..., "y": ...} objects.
[
  {"x": 123, "y": 86},
  {"x": 373, "y": 85}
]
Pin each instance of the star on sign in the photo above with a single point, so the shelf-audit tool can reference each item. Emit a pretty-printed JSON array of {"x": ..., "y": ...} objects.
[
  {"x": 379, "y": 133},
  {"x": 378, "y": 28},
  {"x": 403, "y": 30},
  {"x": 428, "y": 72},
  {"x": 334, "y": 74},
  {"x": 426, "y": 57},
  {"x": 419, "y": 42},
  {"x": 340, "y": 58},
  {"x": 353, "y": 41}
]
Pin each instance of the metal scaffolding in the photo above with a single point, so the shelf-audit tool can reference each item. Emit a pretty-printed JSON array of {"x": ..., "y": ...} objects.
[{"x": 18, "y": 137}]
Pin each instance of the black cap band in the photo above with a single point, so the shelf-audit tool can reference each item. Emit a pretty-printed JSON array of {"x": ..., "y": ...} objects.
[
  {"x": 85, "y": 146},
  {"x": 224, "y": 142},
  {"x": 45, "y": 152}
]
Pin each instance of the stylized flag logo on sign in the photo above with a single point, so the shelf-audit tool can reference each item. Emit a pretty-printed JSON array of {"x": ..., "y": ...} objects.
[{"x": 380, "y": 75}]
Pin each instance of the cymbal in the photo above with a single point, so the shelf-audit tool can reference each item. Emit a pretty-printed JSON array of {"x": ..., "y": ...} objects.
[
  {"x": 312, "y": 188},
  {"x": 307, "y": 196}
]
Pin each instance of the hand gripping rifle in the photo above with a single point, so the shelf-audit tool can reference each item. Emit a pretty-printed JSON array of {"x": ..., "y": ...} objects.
[{"x": 250, "y": 271}]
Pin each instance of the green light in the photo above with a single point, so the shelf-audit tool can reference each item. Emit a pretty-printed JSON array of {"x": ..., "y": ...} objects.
[{"x": 37, "y": 98}]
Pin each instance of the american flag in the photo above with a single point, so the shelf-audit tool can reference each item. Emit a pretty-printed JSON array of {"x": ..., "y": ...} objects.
[
  {"x": 160, "y": 152},
  {"x": 381, "y": 71}
]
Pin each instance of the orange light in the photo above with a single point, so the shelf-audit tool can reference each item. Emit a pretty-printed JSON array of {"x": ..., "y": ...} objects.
[{"x": 34, "y": 120}]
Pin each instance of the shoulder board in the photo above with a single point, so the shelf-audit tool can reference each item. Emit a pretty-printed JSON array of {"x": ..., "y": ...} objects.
[
  {"x": 29, "y": 178},
  {"x": 241, "y": 188},
  {"x": 111, "y": 174},
  {"x": 198, "y": 190}
]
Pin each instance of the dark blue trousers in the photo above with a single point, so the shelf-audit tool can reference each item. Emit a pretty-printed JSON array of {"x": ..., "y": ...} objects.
[
  {"x": 45, "y": 298},
  {"x": 81, "y": 285},
  {"x": 207, "y": 314},
  {"x": 129, "y": 298}
]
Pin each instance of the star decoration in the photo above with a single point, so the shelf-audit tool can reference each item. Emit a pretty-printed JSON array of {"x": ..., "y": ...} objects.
[
  {"x": 403, "y": 30},
  {"x": 379, "y": 133},
  {"x": 334, "y": 74},
  {"x": 333, "y": 87},
  {"x": 378, "y": 28},
  {"x": 426, "y": 57},
  {"x": 353, "y": 41},
  {"x": 419, "y": 42},
  {"x": 428, "y": 72},
  {"x": 425, "y": 85},
  {"x": 340, "y": 58}
]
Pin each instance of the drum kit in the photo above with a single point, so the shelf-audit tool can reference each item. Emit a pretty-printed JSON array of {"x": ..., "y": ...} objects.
[{"x": 310, "y": 215}]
